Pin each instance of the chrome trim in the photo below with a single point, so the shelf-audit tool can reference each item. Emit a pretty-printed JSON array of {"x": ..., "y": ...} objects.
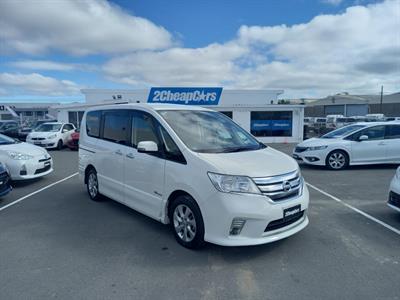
[
  {"x": 276, "y": 179},
  {"x": 274, "y": 186}
]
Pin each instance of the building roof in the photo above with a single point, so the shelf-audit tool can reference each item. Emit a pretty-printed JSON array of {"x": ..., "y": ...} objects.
[{"x": 341, "y": 99}]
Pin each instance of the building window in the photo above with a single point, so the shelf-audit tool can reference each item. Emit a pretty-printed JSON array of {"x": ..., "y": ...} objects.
[
  {"x": 271, "y": 123},
  {"x": 75, "y": 117},
  {"x": 227, "y": 113},
  {"x": 28, "y": 113}
]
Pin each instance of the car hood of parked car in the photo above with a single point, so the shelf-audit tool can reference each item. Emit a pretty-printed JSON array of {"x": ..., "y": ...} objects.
[
  {"x": 24, "y": 148},
  {"x": 258, "y": 163},
  {"x": 42, "y": 134},
  {"x": 315, "y": 142}
]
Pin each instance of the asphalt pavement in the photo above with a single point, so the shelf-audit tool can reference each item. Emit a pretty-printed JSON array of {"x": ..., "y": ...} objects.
[{"x": 57, "y": 243}]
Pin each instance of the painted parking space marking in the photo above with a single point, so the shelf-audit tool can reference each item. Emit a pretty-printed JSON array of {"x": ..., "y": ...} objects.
[
  {"x": 368, "y": 216},
  {"x": 38, "y": 191}
]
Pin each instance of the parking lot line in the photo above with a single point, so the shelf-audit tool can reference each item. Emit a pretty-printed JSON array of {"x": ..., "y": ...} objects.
[
  {"x": 368, "y": 216},
  {"x": 38, "y": 191}
]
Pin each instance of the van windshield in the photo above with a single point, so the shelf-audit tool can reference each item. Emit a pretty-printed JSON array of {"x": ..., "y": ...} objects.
[
  {"x": 209, "y": 132},
  {"x": 342, "y": 131}
]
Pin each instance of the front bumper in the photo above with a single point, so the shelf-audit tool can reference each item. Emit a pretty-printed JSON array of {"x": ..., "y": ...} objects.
[
  {"x": 394, "y": 195},
  {"x": 316, "y": 158},
  {"x": 30, "y": 169},
  {"x": 46, "y": 143},
  {"x": 258, "y": 211}
]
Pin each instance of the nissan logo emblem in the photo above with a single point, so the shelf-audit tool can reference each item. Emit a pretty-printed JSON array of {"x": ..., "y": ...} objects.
[{"x": 286, "y": 186}]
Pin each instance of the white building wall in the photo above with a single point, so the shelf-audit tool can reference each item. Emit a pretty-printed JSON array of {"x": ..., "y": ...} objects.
[{"x": 240, "y": 102}]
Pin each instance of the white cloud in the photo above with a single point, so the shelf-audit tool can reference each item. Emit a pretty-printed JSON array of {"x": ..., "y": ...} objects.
[
  {"x": 76, "y": 27},
  {"x": 50, "y": 65},
  {"x": 332, "y": 2},
  {"x": 355, "y": 51},
  {"x": 34, "y": 83}
]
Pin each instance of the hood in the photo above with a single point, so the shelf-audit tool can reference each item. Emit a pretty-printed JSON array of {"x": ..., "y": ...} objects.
[
  {"x": 318, "y": 142},
  {"x": 36, "y": 134},
  {"x": 259, "y": 163},
  {"x": 25, "y": 148}
]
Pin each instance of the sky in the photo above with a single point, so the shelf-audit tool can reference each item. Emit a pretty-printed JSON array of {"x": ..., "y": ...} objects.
[{"x": 51, "y": 49}]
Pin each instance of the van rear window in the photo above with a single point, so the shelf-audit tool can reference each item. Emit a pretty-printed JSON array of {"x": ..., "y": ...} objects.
[{"x": 93, "y": 123}]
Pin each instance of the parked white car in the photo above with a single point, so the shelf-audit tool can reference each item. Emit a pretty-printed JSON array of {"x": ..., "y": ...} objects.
[
  {"x": 195, "y": 169},
  {"x": 356, "y": 144},
  {"x": 394, "y": 194},
  {"x": 23, "y": 160},
  {"x": 51, "y": 135}
]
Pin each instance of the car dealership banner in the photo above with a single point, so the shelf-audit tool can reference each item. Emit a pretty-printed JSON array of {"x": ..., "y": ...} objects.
[
  {"x": 273, "y": 125},
  {"x": 188, "y": 96}
]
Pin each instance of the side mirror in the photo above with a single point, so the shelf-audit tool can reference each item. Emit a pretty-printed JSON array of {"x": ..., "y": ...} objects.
[
  {"x": 147, "y": 147},
  {"x": 64, "y": 130},
  {"x": 363, "y": 138}
]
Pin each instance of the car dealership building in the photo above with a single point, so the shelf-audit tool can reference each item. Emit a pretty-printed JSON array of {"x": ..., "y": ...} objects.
[{"x": 257, "y": 111}]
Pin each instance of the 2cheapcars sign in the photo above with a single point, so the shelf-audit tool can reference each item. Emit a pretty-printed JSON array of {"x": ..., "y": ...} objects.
[{"x": 188, "y": 96}]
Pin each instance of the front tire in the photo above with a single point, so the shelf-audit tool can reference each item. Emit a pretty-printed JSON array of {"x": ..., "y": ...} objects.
[
  {"x": 337, "y": 160},
  {"x": 187, "y": 222},
  {"x": 92, "y": 185},
  {"x": 59, "y": 145}
]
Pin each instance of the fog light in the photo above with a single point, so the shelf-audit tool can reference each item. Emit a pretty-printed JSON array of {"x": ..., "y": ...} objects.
[
  {"x": 237, "y": 226},
  {"x": 23, "y": 170},
  {"x": 312, "y": 159}
]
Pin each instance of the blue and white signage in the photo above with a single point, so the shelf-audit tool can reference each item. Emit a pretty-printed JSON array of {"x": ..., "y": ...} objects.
[
  {"x": 273, "y": 125},
  {"x": 188, "y": 96}
]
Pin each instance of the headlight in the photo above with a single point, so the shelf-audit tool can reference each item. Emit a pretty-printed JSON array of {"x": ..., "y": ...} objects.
[
  {"x": 19, "y": 156},
  {"x": 233, "y": 184},
  {"x": 52, "y": 136},
  {"x": 398, "y": 173},
  {"x": 316, "y": 148}
]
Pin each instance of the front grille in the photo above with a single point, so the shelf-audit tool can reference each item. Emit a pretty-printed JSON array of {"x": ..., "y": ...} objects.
[
  {"x": 44, "y": 159},
  {"x": 300, "y": 149},
  {"x": 42, "y": 170},
  {"x": 38, "y": 139},
  {"x": 277, "y": 224},
  {"x": 394, "y": 199},
  {"x": 279, "y": 188}
]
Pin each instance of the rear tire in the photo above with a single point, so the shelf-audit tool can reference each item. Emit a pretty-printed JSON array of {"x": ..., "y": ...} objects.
[
  {"x": 92, "y": 185},
  {"x": 337, "y": 160},
  {"x": 60, "y": 145},
  {"x": 187, "y": 222}
]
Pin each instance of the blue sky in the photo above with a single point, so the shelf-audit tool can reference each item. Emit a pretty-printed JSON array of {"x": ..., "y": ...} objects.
[{"x": 310, "y": 48}]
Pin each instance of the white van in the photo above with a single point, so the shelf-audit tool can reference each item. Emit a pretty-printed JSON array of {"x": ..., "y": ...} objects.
[{"x": 195, "y": 169}]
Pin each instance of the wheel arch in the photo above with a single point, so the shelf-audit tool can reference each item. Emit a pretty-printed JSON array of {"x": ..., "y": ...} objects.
[
  {"x": 88, "y": 168},
  {"x": 175, "y": 194},
  {"x": 345, "y": 151}
]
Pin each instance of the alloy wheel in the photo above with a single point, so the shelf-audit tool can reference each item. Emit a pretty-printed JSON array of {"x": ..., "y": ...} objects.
[
  {"x": 92, "y": 185},
  {"x": 184, "y": 223},
  {"x": 337, "y": 160}
]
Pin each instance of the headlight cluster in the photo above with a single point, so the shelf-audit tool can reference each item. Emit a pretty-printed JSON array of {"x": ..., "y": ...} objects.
[
  {"x": 398, "y": 173},
  {"x": 316, "y": 148},
  {"x": 52, "y": 136},
  {"x": 19, "y": 156},
  {"x": 233, "y": 184}
]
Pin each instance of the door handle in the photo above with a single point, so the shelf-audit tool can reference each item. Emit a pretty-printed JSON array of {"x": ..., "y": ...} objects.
[
  {"x": 130, "y": 155},
  {"x": 382, "y": 144},
  {"x": 118, "y": 152}
]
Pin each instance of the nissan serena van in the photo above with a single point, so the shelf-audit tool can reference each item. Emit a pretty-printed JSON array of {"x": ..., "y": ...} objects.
[{"x": 194, "y": 169}]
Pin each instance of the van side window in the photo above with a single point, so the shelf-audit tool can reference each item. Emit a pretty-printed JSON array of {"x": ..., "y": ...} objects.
[
  {"x": 143, "y": 129},
  {"x": 93, "y": 123},
  {"x": 171, "y": 150},
  {"x": 392, "y": 132},
  {"x": 116, "y": 127}
]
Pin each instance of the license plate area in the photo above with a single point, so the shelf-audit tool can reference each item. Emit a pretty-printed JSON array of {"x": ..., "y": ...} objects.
[{"x": 291, "y": 212}]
